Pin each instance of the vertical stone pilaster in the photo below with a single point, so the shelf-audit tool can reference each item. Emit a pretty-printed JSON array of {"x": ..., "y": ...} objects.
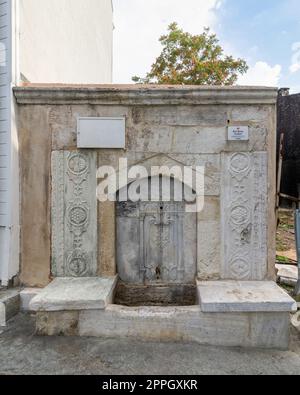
[
  {"x": 244, "y": 216},
  {"x": 74, "y": 214}
]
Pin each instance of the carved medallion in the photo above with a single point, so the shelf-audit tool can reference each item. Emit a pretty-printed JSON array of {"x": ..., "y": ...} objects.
[
  {"x": 78, "y": 218},
  {"x": 77, "y": 263},
  {"x": 240, "y": 163},
  {"x": 78, "y": 215},
  {"x": 77, "y": 164},
  {"x": 240, "y": 268},
  {"x": 240, "y": 215}
]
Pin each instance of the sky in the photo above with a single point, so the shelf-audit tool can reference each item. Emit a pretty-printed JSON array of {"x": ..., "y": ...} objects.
[{"x": 266, "y": 33}]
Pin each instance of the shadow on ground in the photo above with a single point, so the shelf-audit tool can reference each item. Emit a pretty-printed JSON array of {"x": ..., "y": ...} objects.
[{"x": 21, "y": 352}]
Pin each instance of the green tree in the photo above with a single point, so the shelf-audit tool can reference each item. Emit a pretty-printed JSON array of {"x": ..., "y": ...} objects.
[{"x": 188, "y": 59}]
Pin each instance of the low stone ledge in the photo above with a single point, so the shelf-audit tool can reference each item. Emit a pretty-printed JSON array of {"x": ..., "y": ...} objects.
[
  {"x": 143, "y": 94},
  {"x": 188, "y": 324},
  {"x": 244, "y": 297},
  {"x": 164, "y": 324},
  {"x": 75, "y": 294},
  {"x": 9, "y": 305}
]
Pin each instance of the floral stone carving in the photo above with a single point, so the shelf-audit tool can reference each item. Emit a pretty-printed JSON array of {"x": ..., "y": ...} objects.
[
  {"x": 74, "y": 213},
  {"x": 244, "y": 211}
]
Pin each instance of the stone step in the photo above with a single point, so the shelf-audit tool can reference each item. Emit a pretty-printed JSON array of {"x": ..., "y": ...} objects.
[
  {"x": 242, "y": 297},
  {"x": 9, "y": 305},
  {"x": 74, "y": 294}
]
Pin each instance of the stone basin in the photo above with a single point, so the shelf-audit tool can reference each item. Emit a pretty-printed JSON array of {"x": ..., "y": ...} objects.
[{"x": 241, "y": 314}]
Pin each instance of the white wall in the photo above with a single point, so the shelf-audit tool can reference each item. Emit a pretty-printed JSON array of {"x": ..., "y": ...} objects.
[
  {"x": 9, "y": 150},
  {"x": 46, "y": 41},
  {"x": 10, "y": 233},
  {"x": 66, "y": 41},
  {"x": 5, "y": 114}
]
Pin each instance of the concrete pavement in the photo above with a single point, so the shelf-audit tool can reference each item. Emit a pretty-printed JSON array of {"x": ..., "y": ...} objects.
[{"x": 21, "y": 352}]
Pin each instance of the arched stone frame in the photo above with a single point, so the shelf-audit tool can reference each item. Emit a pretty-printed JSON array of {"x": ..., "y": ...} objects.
[
  {"x": 107, "y": 215},
  {"x": 156, "y": 241}
]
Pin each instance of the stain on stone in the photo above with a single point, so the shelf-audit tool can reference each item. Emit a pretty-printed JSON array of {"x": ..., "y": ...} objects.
[
  {"x": 136, "y": 115},
  {"x": 156, "y": 295},
  {"x": 246, "y": 235}
]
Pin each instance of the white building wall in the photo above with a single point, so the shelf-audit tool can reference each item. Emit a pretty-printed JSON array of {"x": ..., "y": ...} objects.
[
  {"x": 66, "y": 41},
  {"x": 5, "y": 113},
  {"x": 9, "y": 160},
  {"x": 43, "y": 41}
]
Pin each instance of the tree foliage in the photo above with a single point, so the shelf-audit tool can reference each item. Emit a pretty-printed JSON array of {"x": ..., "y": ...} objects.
[{"x": 188, "y": 59}]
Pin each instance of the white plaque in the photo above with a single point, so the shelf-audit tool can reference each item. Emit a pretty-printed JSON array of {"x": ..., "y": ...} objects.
[
  {"x": 101, "y": 133},
  {"x": 238, "y": 133}
]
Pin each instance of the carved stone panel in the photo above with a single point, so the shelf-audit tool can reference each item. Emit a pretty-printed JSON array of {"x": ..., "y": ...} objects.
[
  {"x": 244, "y": 216},
  {"x": 156, "y": 243},
  {"x": 74, "y": 214}
]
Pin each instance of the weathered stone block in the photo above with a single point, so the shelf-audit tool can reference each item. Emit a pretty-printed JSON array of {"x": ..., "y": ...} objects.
[
  {"x": 179, "y": 115},
  {"x": 164, "y": 324},
  {"x": 242, "y": 297},
  {"x": 107, "y": 239},
  {"x": 211, "y": 210},
  {"x": 72, "y": 294},
  {"x": 188, "y": 324},
  {"x": 209, "y": 251},
  {"x": 57, "y": 323},
  {"x": 270, "y": 330},
  {"x": 9, "y": 305},
  {"x": 192, "y": 139},
  {"x": 287, "y": 274}
]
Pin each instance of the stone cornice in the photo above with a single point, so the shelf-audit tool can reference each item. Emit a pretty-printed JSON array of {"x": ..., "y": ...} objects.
[{"x": 143, "y": 95}]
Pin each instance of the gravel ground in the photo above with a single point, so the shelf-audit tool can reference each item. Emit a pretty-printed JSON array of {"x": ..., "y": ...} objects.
[{"x": 23, "y": 353}]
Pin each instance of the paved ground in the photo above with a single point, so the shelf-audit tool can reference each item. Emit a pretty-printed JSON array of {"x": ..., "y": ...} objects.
[{"x": 21, "y": 352}]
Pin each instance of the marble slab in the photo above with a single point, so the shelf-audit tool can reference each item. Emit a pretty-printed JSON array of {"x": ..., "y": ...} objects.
[
  {"x": 74, "y": 214},
  {"x": 73, "y": 294},
  {"x": 242, "y": 297},
  {"x": 244, "y": 216}
]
